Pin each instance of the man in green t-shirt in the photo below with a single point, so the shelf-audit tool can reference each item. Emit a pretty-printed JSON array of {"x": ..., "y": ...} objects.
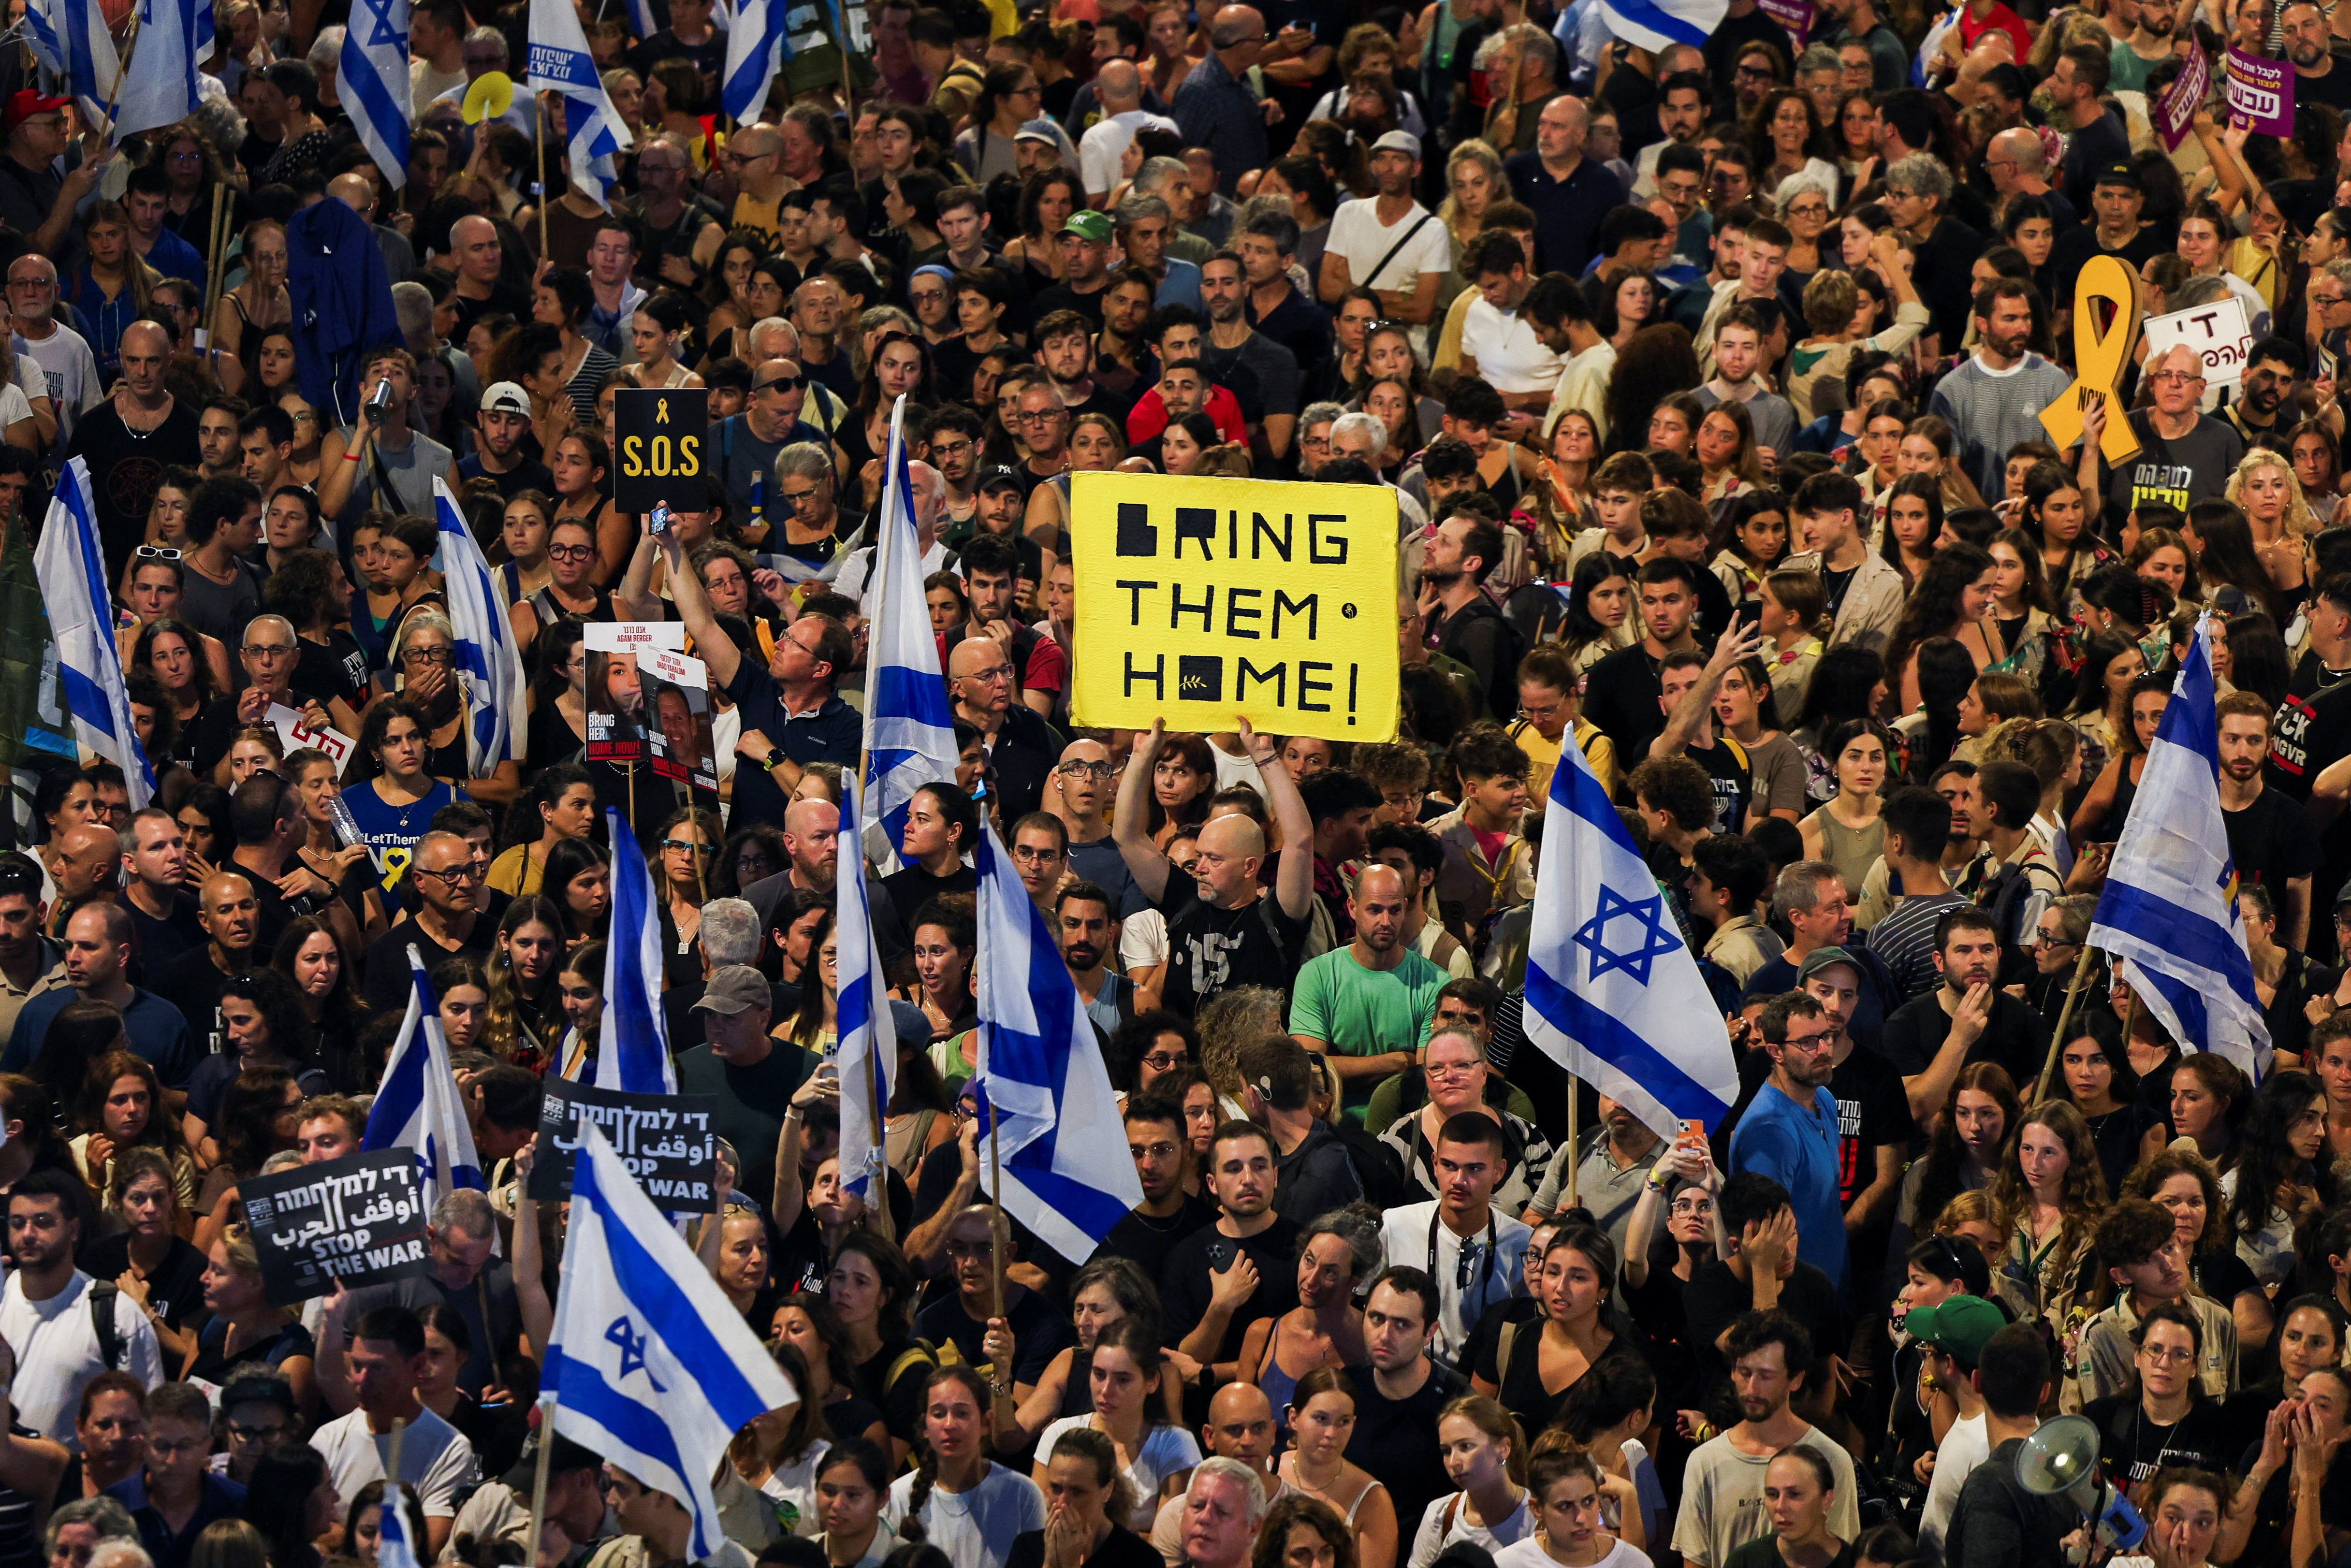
[{"x": 1367, "y": 1006}]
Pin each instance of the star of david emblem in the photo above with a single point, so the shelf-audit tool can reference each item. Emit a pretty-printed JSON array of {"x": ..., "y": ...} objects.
[
  {"x": 382, "y": 36},
  {"x": 632, "y": 1350},
  {"x": 1656, "y": 940}
]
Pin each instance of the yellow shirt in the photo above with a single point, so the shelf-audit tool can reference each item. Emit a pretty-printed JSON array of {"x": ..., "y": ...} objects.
[{"x": 517, "y": 871}]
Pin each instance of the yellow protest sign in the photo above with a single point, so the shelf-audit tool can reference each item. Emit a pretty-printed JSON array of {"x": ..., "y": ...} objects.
[
  {"x": 2103, "y": 342},
  {"x": 1199, "y": 599}
]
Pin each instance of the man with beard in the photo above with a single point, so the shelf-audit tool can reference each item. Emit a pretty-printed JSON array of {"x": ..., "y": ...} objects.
[
  {"x": 1080, "y": 799},
  {"x": 2150, "y": 44},
  {"x": 1993, "y": 401},
  {"x": 1722, "y": 1493},
  {"x": 1244, "y": 1267},
  {"x": 2269, "y": 835},
  {"x": 1364, "y": 1004},
  {"x": 1968, "y": 1018},
  {"x": 1144, "y": 226},
  {"x": 1167, "y": 1214},
  {"x": 2271, "y": 369},
  {"x": 45, "y": 1313},
  {"x": 1232, "y": 343},
  {"x": 1789, "y": 1132},
  {"x": 2185, "y": 455},
  {"x": 1463, "y": 622},
  {"x": 1389, "y": 242},
  {"x": 1122, "y": 352},
  {"x": 1082, "y": 919},
  {"x": 498, "y": 456},
  {"x": 1066, "y": 347},
  {"x": 2317, "y": 78}
]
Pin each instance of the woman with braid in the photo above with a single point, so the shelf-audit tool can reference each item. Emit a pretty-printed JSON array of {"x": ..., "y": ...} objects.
[{"x": 957, "y": 1498}]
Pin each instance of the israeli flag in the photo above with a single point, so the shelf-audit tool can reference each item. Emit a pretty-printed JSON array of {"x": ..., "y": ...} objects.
[
  {"x": 372, "y": 78},
  {"x": 72, "y": 39},
  {"x": 45, "y": 35},
  {"x": 909, "y": 725},
  {"x": 758, "y": 45},
  {"x": 1613, "y": 994},
  {"x": 594, "y": 137},
  {"x": 649, "y": 1365},
  {"x": 867, "y": 1049},
  {"x": 392, "y": 1547},
  {"x": 1060, "y": 1139},
  {"x": 1655, "y": 25},
  {"x": 417, "y": 1108},
  {"x": 632, "y": 1048},
  {"x": 72, "y": 574},
  {"x": 2169, "y": 909},
  {"x": 488, "y": 660}
]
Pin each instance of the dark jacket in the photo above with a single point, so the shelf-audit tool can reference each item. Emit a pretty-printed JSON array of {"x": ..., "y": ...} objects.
[{"x": 1998, "y": 1524}]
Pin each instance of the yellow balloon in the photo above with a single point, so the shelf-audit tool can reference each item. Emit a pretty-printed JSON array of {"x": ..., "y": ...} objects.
[{"x": 489, "y": 98}]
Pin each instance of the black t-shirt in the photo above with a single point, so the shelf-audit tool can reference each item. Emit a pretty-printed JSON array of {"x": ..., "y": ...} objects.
[
  {"x": 2270, "y": 840},
  {"x": 1715, "y": 1297},
  {"x": 1121, "y": 1548},
  {"x": 1395, "y": 1440},
  {"x": 1872, "y": 1112},
  {"x": 384, "y": 989},
  {"x": 192, "y": 983},
  {"x": 335, "y": 668},
  {"x": 1041, "y": 1330},
  {"x": 2131, "y": 1445},
  {"x": 159, "y": 942},
  {"x": 1062, "y": 296},
  {"x": 126, "y": 468},
  {"x": 751, "y": 1103},
  {"x": 1621, "y": 696},
  {"x": 505, "y": 299},
  {"x": 175, "y": 1287},
  {"x": 215, "y": 729},
  {"x": 1184, "y": 1284},
  {"x": 1733, "y": 780},
  {"x": 1211, "y": 950},
  {"x": 1148, "y": 1240},
  {"x": 2014, "y": 1036}
]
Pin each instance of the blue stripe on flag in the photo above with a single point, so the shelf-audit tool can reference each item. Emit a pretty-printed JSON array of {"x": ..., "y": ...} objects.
[
  {"x": 2190, "y": 936},
  {"x": 1640, "y": 14},
  {"x": 1605, "y": 1037}
]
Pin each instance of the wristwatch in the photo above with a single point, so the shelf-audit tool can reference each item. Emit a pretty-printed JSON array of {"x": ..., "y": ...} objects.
[{"x": 776, "y": 757}]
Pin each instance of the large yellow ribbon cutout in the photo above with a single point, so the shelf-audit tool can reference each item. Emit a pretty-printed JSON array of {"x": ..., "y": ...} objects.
[{"x": 2101, "y": 352}]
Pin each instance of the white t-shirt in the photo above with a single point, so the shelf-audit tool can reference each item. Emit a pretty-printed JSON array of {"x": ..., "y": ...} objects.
[
  {"x": 70, "y": 370},
  {"x": 1165, "y": 1451},
  {"x": 1964, "y": 1446},
  {"x": 1404, "y": 1236},
  {"x": 1530, "y": 1554},
  {"x": 974, "y": 1527},
  {"x": 1142, "y": 939},
  {"x": 436, "y": 1459},
  {"x": 1435, "y": 1533},
  {"x": 792, "y": 1492},
  {"x": 1357, "y": 233},
  {"x": 1103, "y": 146},
  {"x": 56, "y": 1346},
  {"x": 1510, "y": 357}
]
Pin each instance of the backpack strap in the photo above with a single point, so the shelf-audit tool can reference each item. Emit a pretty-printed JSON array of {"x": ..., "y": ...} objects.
[{"x": 103, "y": 1294}]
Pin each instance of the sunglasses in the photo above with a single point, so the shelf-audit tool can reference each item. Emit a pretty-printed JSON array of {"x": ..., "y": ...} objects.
[
  {"x": 158, "y": 552},
  {"x": 782, "y": 383}
]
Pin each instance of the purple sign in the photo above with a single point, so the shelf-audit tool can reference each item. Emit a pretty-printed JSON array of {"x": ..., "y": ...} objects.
[
  {"x": 2175, "y": 111},
  {"x": 2260, "y": 94},
  {"x": 1795, "y": 15}
]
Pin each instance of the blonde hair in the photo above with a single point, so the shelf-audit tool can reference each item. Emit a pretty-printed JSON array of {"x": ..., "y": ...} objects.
[
  {"x": 1489, "y": 1417},
  {"x": 1480, "y": 152},
  {"x": 2299, "y": 523}
]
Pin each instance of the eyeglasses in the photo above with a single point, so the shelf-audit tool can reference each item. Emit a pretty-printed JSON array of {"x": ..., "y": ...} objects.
[
  {"x": 1692, "y": 1207},
  {"x": 269, "y": 650},
  {"x": 428, "y": 657},
  {"x": 1451, "y": 1069},
  {"x": 158, "y": 552},
  {"x": 1163, "y": 1061},
  {"x": 2163, "y": 1357},
  {"x": 452, "y": 877},
  {"x": 686, "y": 844},
  {"x": 794, "y": 497},
  {"x": 1077, "y": 770},
  {"x": 2181, "y": 377},
  {"x": 1039, "y": 416},
  {"x": 570, "y": 552},
  {"x": 2043, "y": 939},
  {"x": 245, "y": 1433},
  {"x": 1030, "y": 854}
]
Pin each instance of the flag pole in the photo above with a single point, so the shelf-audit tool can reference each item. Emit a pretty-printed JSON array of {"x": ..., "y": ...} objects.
[
  {"x": 538, "y": 130},
  {"x": 121, "y": 74},
  {"x": 995, "y": 1236},
  {"x": 1574, "y": 1152},
  {"x": 2065, "y": 1016},
  {"x": 399, "y": 1436}
]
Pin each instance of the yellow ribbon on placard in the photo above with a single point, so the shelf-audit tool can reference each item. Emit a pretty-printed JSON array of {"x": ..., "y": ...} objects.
[{"x": 2101, "y": 354}]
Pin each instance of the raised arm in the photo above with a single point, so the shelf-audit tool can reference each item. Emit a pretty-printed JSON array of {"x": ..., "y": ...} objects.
[
  {"x": 1698, "y": 701},
  {"x": 529, "y": 1263},
  {"x": 1293, "y": 879},
  {"x": 717, "y": 649},
  {"x": 1144, "y": 861}
]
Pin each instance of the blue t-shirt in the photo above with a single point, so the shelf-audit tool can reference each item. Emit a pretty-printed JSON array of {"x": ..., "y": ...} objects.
[
  {"x": 157, "y": 1031},
  {"x": 1797, "y": 1147},
  {"x": 391, "y": 831}
]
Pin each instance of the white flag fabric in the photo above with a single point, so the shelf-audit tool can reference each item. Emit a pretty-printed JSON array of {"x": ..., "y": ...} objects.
[
  {"x": 632, "y": 1042},
  {"x": 392, "y": 1547},
  {"x": 2169, "y": 906},
  {"x": 417, "y": 1108},
  {"x": 488, "y": 660},
  {"x": 1060, "y": 1140},
  {"x": 867, "y": 1049},
  {"x": 1613, "y": 994},
  {"x": 371, "y": 80},
  {"x": 594, "y": 134},
  {"x": 1655, "y": 25},
  {"x": 909, "y": 724},
  {"x": 70, "y": 37},
  {"x": 72, "y": 573},
  {"x": 649, "y": 1364},
  {"x": 756, "y": 48}
]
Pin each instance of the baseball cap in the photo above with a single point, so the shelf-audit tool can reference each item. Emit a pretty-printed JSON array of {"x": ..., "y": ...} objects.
[
  {"x": 1958, "y": 1327},
  {"x": 25, "y": 103},
  {"x": 1821, "y": 959},
  {"x": 505, "y": 397},
  {"x": 997, "y": 475},
  {"x": 913, "y": 1024},
  {"x": 1088, "y": 224},
  {"x": 1038, "y": 129},
  {"x": 735, "y": 988},
  {"x": 1403, "y": 141},
  {"x": 2118, "y": 174}
]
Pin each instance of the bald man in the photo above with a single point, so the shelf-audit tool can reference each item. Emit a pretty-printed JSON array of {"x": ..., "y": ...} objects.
[
  {"x": 929, "y": 489},
  {"x": 2019, "y": 166},
  {"x": 1239, "y": 1428},
  {"x": 755, "y": 154},
  {"x": 132, "y": 438},
  {"x": 85, "y": 863},
  {"x": 229, "y": 911},
  {"x": 1214, "y": 106},
  {"x": 1118, "y": 86},
  {"x": 1367, "y": 1005},
  {"x": 357, "y": 192},
  {"x": 447, "y": 921},
  {"x": 1022, "y": 748},
  {"x": 1234, "y": 931},
  {"x": 482, "y": 287},
  {"x": 97, "y": 957},
  {"x": 749, "y": 441}
]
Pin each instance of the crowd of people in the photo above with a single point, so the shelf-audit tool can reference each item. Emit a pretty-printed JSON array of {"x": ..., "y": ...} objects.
[{"x": 1707, "y": 379}]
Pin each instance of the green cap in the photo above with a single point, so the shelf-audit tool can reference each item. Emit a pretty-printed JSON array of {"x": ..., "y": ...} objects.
[
  {"x": 1960, "y": 1327},
  {"x": 1088, "y": 224}
]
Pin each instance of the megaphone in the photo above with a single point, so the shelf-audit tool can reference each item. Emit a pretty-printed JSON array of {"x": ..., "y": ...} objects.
[{"x": 2061, "y": 1459}]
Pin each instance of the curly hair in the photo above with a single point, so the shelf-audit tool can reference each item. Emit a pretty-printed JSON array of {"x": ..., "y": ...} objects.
[
  {"x": 1656, "y": 362},
  {"x": 2299, "y": 523},
  {"x": 2083, "y": 1196}
]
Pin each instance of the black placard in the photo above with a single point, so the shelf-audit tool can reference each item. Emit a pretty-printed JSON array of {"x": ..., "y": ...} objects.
[
  {"x": 358, "y": 1221},
  {"x": 669, "y": 1142},
  {"x": 659, "y": 453}
]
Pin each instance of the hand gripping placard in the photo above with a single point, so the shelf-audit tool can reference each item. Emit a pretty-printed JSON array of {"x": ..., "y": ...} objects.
[{"x": 2104, "y": 342}]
